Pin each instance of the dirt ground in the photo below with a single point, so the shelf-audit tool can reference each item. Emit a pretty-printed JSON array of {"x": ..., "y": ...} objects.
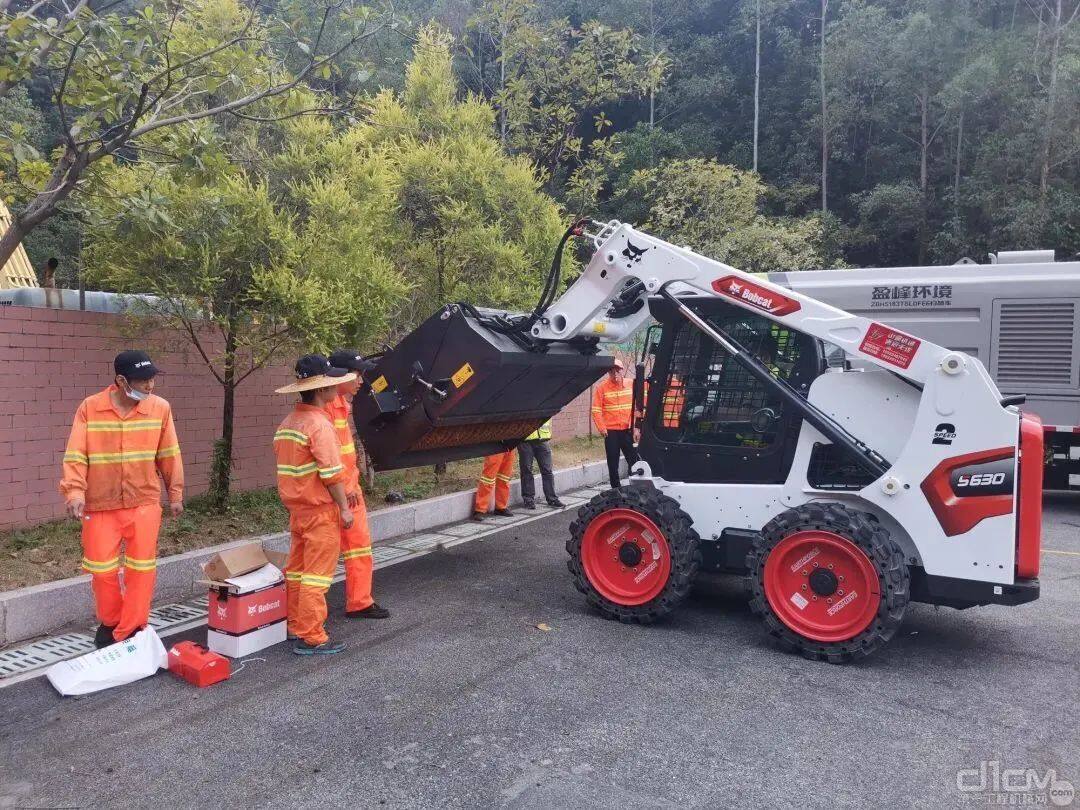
[{"x": 52, "y": 551}]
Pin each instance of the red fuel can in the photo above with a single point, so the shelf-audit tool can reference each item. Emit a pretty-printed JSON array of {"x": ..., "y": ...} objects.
[{"x": 197, "y": 665}]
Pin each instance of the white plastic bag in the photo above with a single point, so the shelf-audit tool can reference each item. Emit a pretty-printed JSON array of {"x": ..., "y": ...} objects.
[{"x": 130, "y": 660}]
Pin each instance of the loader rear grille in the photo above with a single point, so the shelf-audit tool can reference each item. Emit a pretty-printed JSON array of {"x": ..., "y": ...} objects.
[{"x": 1036, "y": 345}]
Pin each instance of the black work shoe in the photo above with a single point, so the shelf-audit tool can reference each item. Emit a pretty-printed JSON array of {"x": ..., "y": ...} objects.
[
  {"x": 504, "y": 513},
  {"x": 478, "y": 516},
  {"x": 372, "y": 611},
  {"x": 557, "y": 504},
  {"x": 529, "y": 505},
  {"x": 104, "y": 636},
  {"x": 326, "y": 648}
]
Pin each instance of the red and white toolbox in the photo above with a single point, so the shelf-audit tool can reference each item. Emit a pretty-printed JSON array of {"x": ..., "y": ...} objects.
[{"x": 247, "y": 600}]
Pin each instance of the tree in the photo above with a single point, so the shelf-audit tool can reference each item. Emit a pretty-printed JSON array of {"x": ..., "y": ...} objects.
[
  {"x": 555, "y": 79},
  {"x": 824, "y": 114},
  {"x": 243, "y": 277},
  {"x": 458, "y": 217},
  {"x": 119, "y": 74},
  {"x": 716, "y": 210}
]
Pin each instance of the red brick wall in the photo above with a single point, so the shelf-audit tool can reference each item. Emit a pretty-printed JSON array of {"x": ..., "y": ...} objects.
[{"x": 50, "y": 360}]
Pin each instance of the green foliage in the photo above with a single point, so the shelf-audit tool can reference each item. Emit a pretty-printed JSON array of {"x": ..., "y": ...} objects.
[
  {"x": 552, "y": 82},
  {"x": 446, "y": 206},
  {"x": 716, "y": 210}
]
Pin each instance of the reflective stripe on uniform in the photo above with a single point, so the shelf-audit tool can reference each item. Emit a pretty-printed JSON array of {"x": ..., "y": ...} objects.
[
  {"x": 348, "y": 449},
  {"x": 316, "y": 581},
  {"x": 502, "y": 477},
  {"x": 293, "y": 576},
  {"x": 140, "y": 565},
  {"x": 341, "y": 424},
  {"x": 120, "y": 458},
  {"x": 289, "y": 471},
  {"x": 169, "y": 452},
  {"x": 330, "y": 472},
  {"x": 287, "y": 435},
  {"x": 484, "y": 480},
  {"x": 100, "y": 566},
  {"x": 75, "y": 455},
  {"x": 123, "y": 427},
  {"x": 357, "y": 552}
]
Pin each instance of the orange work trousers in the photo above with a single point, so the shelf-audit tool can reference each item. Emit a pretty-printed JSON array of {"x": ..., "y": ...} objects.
[
  {"x": 309, "y": 571},
  {"x": 125, "y": 607},
  {"x": 356, "y": 549},
  {"x": 495, "y": 477}
]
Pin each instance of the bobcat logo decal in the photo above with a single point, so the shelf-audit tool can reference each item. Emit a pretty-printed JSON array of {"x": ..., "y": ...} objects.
[{"x": 632, "y": 252}]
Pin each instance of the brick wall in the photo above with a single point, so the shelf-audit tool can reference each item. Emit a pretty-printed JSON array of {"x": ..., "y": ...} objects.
[{"x": 51, "y": 359}]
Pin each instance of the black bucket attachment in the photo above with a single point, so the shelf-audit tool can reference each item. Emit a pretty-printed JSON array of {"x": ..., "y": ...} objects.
[{"x": 453, "y": 389}]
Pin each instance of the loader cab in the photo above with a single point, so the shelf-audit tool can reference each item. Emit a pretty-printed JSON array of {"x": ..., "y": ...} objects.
[{"x": 706, "y": 419}]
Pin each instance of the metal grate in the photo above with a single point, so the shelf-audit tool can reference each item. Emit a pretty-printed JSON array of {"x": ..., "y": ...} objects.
[
  {"x": 1036, "y": 344},
  {"x": 43, "y": 653},
  {"x": 710, "y": 399},
  {"x": 421, "y": 542},
  {"x": 831, "y": 468},
  {"x": 388, "y": 555},
  {"x": 168, "y": 616}
]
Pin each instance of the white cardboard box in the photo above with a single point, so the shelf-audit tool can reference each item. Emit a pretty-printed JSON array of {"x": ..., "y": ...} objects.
[{"x": 237, "y": 646}]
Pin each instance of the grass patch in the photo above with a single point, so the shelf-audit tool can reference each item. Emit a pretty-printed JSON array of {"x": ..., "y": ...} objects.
[{"x": 51, "y": 551}]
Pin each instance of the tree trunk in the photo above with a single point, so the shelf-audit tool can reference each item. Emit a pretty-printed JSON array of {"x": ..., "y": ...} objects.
[
  {"x": 824, "y": 117},
  {"x": 221, "y": 468},
  {"x": 502, "y": 82},
  {"x": 65, "y": 175},
  {"x": 757, "y": 80},
  {"x": 924, "y": 136},
  {"x": 924, "y": 149},
  {"x": 959, "y": 153},
  {"x": 652, "y": 47},
  {"x": 1051, "y": 105},
  {"x": 11, "y": 239}
]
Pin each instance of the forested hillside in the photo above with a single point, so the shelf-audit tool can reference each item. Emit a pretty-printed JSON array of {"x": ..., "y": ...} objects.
[{"x": 780, "y": 134}]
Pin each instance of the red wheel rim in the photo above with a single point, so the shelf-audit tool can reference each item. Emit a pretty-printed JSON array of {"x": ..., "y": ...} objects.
[
  {"x": 822, "y": 585},
  {"x": 626, "y": 557}
]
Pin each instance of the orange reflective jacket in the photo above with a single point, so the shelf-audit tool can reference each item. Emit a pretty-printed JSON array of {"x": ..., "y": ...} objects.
[
  {"x": 308, "y": 459},
  {"x": 672, "y": 403},
  {"x": 340, "y": 413},
  {"x": 613, "y": 404},
  {"x": 113, "y": 461}
]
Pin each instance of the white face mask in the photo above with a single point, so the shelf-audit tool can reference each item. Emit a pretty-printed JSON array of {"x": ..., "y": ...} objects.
[{"x": 138, "y": 396}]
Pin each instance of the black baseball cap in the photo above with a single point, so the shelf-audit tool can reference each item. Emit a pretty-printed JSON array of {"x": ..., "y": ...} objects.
[
  {"x": 351, "y": 359},
  {"x": 314, "y": 365},
  {"x": 135, "y": 365}
]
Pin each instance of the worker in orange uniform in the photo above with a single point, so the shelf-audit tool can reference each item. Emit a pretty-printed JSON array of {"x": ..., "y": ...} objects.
[
  {"x": 612, "y": 413},
  {"x": 311, "y": 483},
  {"x": 121, "y": 441},
  {"x": 356, "y": 541},
  {"x": 495, "y": 477}
]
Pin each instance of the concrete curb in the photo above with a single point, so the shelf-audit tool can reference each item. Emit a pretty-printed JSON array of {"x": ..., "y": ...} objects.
[{"x": 40, "y": 609}]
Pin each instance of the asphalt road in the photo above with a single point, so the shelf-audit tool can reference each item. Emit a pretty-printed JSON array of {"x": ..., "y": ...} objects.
[{"x": 460, "y": 700}]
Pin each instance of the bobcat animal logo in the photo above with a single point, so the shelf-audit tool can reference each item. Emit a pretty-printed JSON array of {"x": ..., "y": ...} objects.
[{"x": 632, "y": 252}]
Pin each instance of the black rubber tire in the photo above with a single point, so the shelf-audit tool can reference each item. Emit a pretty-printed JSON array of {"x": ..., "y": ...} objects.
[
  {"x": 682, "y": 540},
  {"x": 869, "y": 535}
]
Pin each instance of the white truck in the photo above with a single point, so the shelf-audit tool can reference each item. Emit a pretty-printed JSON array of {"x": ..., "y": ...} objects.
[{"x": 1020, "y": 315}]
